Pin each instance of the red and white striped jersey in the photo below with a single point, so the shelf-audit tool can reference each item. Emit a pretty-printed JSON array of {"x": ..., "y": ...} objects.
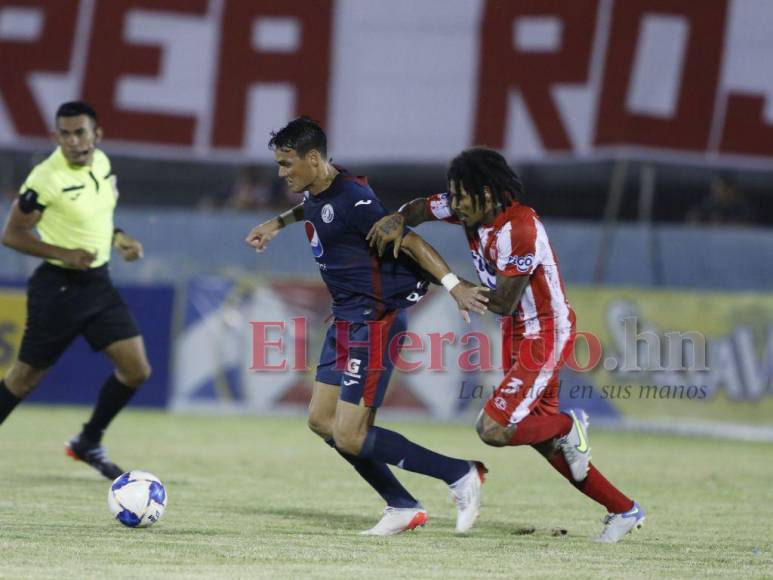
[{"x": 515, "y": 244}]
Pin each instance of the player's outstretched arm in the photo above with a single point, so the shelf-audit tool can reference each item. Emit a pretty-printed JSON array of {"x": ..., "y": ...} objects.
[
  {"x": 391, "y": 228},
  {"x": 261, "y": 235},
  {"x": 19, "y": 234},
  {"x": 468, "y": 296},
  {"x": 130, "y": 248}
]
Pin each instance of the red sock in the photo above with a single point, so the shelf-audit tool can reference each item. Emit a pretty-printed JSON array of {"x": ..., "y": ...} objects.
[
  {"x": 595, "y": 486},
  {"x": 536, "y": 429}
]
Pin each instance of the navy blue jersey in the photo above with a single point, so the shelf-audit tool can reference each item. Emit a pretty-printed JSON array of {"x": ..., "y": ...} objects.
[{"x": 362, "y": 285}]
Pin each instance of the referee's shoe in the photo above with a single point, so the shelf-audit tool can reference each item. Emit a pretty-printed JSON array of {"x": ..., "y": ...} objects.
[{"x": 81, "y": 449}]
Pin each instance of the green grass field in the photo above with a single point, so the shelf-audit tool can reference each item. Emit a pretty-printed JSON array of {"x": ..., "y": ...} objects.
[{"x": 262, "y": 497}]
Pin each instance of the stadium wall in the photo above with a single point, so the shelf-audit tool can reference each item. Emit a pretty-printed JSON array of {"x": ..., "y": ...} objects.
[{"x": 180, "y": 244}]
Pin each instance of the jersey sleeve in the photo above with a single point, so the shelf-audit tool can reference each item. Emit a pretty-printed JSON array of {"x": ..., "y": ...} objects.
[
  {"x": 36, "y": 192},
  {"x": 439, "y": 207},
  {"x": 515, "y": 248}
]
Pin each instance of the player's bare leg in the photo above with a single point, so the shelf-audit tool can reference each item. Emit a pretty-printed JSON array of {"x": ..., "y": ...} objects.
[
  {"x": 322, "y": 412},
  {"x": 355, "y": 434},
  {"x": 322, "y": 409},
  {"x": 131, "y": 370},
  {"x": 131, "y": 362},
  {"x": 23, "y": 378},
  {"x": 350, "y": 430},
  {"x": 20, "y": 381}
]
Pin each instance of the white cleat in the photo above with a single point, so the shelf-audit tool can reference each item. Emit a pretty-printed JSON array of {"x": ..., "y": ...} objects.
[
  {"x": 396, "y": 520},
  {"x": 466, "y": 494},
  {"x": 616, "y": 526},
  {"x": 575, "y": 445}
]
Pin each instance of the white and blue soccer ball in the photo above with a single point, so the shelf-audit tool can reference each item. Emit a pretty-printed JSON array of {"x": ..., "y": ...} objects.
[{"x": 137, "y": 499}]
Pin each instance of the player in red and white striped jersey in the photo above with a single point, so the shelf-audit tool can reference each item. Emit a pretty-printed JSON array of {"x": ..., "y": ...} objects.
[{"x": 514, "y": 259}]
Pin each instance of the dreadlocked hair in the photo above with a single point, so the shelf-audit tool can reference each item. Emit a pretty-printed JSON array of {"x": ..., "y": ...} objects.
[{"x": 480, "y": 167}]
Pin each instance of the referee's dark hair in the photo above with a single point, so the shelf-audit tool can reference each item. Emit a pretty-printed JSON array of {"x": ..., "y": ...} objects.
[
  {"x": 301, "y": 134},
  {"x": 76, "y": 108},
  {"x": 480, "y": 167}
]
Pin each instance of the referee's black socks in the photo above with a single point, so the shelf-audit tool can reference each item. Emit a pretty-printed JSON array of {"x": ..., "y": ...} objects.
[
  {"x": 112, "y": 398},
  {"x": 8, "y": 401}
]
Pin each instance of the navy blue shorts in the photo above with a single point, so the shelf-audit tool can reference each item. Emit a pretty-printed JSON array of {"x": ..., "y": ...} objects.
[{"x": 362, "y": 372}]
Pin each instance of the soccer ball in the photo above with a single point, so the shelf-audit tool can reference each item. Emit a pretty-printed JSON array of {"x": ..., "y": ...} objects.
[{"x": 137, "y": 499}]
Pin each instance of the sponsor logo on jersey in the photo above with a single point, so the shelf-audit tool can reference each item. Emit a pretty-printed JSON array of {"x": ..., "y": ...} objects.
[
  {"x": 363, "y": 202},
  {"x": 327, "y": 213},
  {"x": 316, "y": 244},
  {"x": 522, "y": 263},
  {"x": 500, "y": 403},
  {"x": 353, "y": 368}
]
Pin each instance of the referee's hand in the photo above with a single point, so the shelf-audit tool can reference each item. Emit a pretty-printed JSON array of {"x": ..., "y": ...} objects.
[
  {"x": 78, "y": 259},
  {"x": 131, "y": 249}
]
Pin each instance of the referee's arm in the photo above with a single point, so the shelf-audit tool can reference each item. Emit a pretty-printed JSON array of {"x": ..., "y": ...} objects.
[{"x": 18, "y": 234}]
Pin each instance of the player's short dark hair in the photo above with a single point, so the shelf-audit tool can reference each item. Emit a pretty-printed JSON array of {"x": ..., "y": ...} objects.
[
  {"x": 301, "y": 134},
  {"x": 75, "y": 109},
  {"x": 480, "y": 167}
]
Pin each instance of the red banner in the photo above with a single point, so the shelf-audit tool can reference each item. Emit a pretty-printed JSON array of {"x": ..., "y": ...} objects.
[{"x": 405, "y": 83}]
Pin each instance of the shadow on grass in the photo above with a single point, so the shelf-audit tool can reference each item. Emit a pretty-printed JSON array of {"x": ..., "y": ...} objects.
[
  {"x": 334, "y": 522},
  {"x": 328, "y": 519}
]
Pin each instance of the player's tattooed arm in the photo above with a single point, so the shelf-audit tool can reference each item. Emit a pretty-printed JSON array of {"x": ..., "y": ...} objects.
[
  {"x": 504, "y": 300},
  {"x": 261, "y": 235},
  {"x": 391, "y": 228},
  {"x": 468, "y": 297},
  {"x": 415, "y": 212}
]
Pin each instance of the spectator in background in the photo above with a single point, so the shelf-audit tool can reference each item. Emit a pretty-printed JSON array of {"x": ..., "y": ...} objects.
[
  {"x": 255, "y": 188},
  {"x": 725, "y": 204}
]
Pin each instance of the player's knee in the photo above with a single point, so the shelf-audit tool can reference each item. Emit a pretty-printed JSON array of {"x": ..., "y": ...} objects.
[
  {"x": 348, "y": 442},
  {"x": 134, "y": 375},
  {"x": 491, "y": 432},
  {"x": 22, "y": 380}
]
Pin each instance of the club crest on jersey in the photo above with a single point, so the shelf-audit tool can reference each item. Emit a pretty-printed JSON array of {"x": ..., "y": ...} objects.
[
  {"x": 316, "y": 243},
  {"x": 327, "y": 213},
  {"x": 522, "y": 263}
]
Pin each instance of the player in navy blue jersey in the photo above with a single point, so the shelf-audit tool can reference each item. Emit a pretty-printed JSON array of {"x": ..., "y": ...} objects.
[{"x": 370, "y": 295}]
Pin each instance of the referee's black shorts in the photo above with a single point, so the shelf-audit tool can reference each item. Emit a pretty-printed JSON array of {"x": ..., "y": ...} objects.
[{"x": 63, "y": 303}]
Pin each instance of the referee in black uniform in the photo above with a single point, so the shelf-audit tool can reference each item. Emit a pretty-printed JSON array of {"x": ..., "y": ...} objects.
[{"x": 70, "y": 199}]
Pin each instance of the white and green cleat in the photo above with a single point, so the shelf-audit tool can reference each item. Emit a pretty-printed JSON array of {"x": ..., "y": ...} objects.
[{"x": 575, "y": 445}]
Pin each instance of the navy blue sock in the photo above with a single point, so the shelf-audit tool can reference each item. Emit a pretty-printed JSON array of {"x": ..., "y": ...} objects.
[
  {"x": 8, "y": 401},
  {"x": 394, "y": 449},
  {"x": 381, "y": 479}
]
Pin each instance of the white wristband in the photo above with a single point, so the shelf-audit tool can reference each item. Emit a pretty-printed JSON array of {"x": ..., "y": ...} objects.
[{"x": 450, "y": 281}]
